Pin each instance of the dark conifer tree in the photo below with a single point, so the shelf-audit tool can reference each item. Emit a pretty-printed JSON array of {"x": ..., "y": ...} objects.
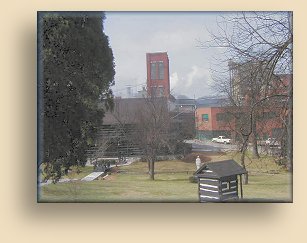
[{"x": 78, "y": 70}]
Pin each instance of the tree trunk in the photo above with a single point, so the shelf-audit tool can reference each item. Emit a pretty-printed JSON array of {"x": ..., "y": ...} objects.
[
  {"x": 245, "y": 176},
  {"x": 290, "y": 129},
  {"x": 254, "y": 141},
  {"x": 152, "y": 169},
  {"x": 245, "y": 179},
  {"x": 290, "y": 139},
  {"x": 255, "y": 148}
]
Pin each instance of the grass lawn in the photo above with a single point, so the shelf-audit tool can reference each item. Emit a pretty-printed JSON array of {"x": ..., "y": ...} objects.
[
  {"x": 132, "y": 184},
  {"x": 273, "y": 187}
]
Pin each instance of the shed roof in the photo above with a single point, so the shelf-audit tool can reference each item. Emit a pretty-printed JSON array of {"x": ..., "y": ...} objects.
[{"x": 220, "y": 169}]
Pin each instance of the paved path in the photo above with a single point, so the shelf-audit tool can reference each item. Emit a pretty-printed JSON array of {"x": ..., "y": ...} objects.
[
  {"x": 92, "y": 176},
  {"x": 60, "y": 181},
  {"x": 208, "y": 146}
]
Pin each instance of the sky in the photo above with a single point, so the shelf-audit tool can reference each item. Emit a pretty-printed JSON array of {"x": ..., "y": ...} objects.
[{"x": 133, "y": 34}]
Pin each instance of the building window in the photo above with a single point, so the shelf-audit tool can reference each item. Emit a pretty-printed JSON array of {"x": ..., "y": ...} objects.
[
  {"x": 161, "y": 70},
  {"x": 205, "y": 117},
  {"x": 228, "y": 185},
  {"x": 153, "y": 70},
  {"x": 161, "y": 91}
]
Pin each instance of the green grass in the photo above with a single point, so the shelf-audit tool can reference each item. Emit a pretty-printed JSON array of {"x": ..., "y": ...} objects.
[
  {"x": 171, "y": 184},
  {"x": 275, "y": 187},
  {"x": 131, "y": 183},
  {"x": 83, "y": 171},
  {"x": 265, "y": 164}
]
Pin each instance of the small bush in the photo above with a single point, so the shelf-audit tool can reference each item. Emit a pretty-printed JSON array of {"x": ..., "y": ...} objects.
[
  {"x": 103, "y": 165},
  {"x": 282, "y": 162},
  {"x": 179, "y": 156},
  {"x": 193, "y": 179}
]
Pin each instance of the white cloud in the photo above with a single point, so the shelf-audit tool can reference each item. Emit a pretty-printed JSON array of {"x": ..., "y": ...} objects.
[
  {"x": 197, "y": 73},
  {"x": 191, "y": 76},
  {"x": 132, "y": 35},
  {"x": 174, "y": 80}
]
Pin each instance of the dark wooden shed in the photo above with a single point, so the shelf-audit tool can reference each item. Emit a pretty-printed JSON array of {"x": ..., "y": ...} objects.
[{"x": 218, "y": 181}]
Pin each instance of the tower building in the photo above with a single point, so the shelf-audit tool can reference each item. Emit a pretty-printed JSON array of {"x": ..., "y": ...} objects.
[{"x": 158, "y": 84}]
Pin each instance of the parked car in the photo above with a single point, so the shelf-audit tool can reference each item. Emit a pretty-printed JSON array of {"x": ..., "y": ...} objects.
[
  {"x": 272, "y": 142},
  {"x": 221, "y": 139}
]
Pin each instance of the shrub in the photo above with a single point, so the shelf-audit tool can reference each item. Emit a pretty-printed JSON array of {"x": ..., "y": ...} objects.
[
  {"x": 103, "y": 165},
  {"x": 193, "y": 179}
]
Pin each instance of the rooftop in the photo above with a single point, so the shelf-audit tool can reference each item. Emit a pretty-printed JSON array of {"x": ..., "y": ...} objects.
[
  {"x": 220, "y": 169},
  {"x": 126, "y": 110},
  {"x": 210, "y": 102}
]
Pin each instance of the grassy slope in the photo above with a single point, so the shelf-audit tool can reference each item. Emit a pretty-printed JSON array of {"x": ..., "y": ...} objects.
[
  {"x": 130, "y": 184},
  {"x": 269, "y": 187},
  {"x": 171, "y": 184}
]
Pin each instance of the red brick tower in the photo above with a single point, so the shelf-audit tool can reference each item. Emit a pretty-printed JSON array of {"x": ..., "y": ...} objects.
[{"x": 158, "y": 84}]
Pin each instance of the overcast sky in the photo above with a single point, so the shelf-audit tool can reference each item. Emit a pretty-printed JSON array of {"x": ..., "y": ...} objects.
[{"x": 133, "y": 34}]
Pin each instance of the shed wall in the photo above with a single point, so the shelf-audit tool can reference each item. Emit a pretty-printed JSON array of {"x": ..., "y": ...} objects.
[
  {"x": 209, "y": 189},
  {"x": 229, "y": 188},
  {"x": 218, "y": 190}
]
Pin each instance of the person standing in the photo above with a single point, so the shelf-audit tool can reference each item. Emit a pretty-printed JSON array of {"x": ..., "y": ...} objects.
[{"x": 197, "y": 162}]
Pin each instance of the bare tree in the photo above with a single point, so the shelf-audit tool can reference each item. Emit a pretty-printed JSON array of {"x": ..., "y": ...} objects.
[
  {"x": 257, "y": 49},
  {"x": 102, "y": 143},
  {"x": 153, "y": 123},
  {"x": 248, "y": 87}
]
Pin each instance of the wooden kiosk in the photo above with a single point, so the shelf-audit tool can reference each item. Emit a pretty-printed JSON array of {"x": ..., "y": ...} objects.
[{"x": 218, "y": 181}]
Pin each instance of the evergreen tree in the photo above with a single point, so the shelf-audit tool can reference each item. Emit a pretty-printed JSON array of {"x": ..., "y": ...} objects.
[{"x": 78, "y": 70}]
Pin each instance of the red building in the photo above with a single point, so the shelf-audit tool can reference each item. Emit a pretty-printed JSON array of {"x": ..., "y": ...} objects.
[
  {"x": 214, "y": 121},
  {"x": 158, "y": 84},
  {"x": 207, "y": 120},
  {"x": 211, "y": 121}
]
